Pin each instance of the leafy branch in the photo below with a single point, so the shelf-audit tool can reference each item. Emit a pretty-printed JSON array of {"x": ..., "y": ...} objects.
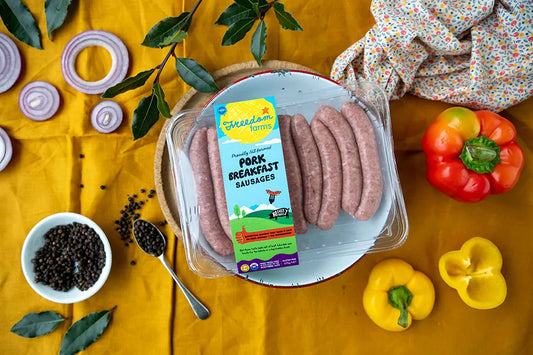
[{"x": 239, "y": 17}]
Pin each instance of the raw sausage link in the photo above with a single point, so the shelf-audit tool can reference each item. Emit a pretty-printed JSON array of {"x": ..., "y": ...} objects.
[
  {"x": 218, "y": 180},
  {"x": 209, "y": 222},
  {"x": 310, "y": 166},
  {"x": 331, "y": 175},
  {"x": 294, "y": 177},
  {"x": 351, "y": 165},
  {"x": 370, "y": 164}
]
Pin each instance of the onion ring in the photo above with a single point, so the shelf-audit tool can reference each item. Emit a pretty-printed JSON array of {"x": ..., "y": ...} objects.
[
  {"x": 6, "y": 149},
  {"x": 39, "y": 100},
  {"x": 106, "y": 116},
  {"x": 107, "y": 40},
  {"x": 10, "y": 63}
]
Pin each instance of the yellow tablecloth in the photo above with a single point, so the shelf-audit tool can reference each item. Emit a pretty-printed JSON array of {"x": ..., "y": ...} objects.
[{"x": 152, "y": 316}]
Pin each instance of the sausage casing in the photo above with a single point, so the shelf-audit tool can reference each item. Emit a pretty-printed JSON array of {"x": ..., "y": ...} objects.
[
  {"x": 310, "y": 167},
  {"x": 351, "y": 165},
  {"x": 209, "y": 221},
  {"x": 331, "y": 175},
  {"x": 218, "y": 180},
  {"x": 370, "y": 162},
  {"x": 294, "y": 177}
]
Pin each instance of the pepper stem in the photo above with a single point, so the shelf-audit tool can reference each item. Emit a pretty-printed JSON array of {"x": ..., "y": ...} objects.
[
  {"x": 480, "y": 154},
  {"x": 400, "y": 298}
]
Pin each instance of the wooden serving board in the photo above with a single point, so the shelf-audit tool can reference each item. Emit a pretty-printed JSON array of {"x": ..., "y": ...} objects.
[{"x": 164, "y": 183}]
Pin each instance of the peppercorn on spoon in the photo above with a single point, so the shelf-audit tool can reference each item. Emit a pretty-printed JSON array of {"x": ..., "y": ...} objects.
[{"x": 153, "y": 242}]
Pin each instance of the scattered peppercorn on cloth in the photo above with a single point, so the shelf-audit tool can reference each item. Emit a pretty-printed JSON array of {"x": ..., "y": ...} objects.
[
  {"x": 470, "y": 53},
  {"x": 152, "y": 316}
]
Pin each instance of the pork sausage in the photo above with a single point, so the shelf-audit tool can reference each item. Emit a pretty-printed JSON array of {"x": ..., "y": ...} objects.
[
  {"x": 218, "y": 180},
  {"x": 370, "y": 164},
  {"x": 351, "y": 165},
  {"x": 294, "y": 177},
  {"x": 209, "y": 222},
  {"x": 310, "y": 167},
  {"x": 330, "y": 158}
]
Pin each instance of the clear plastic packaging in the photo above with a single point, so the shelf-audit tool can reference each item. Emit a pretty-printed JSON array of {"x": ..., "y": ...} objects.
[{"x": 322, "y": 254}]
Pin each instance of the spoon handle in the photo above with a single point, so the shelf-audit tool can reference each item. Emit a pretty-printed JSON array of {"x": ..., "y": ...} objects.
[{"x": 198, "y": 308}]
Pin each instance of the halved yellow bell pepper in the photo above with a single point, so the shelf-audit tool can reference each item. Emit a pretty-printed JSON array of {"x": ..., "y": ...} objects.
[
  {"x": 396, "y": 294},
  {"x": 475, "y": 272}
]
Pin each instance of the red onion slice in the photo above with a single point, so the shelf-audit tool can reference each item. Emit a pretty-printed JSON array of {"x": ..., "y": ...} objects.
[
  {"x": 39, "y": 100},
  {"x": 6, "y": 149},
  {"x": 107, "y": 40},
  {"x": 10, "y": 63},
  {"x": 106, "y": 116}
]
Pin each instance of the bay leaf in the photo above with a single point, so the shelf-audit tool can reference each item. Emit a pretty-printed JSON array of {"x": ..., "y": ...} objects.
[
  {"x": 285, "y": 19},
  {"x": 195, "y": 75},
  {"x": 56, "y": 12},
  {"x": 84, "y": 332},
  {"x": 162, "y": 105},
  {"x": 35, "y": 324},
  {"x": 145, "y": 116},
  {"x": 237, "y": 31},
  {"x": 165, "y": 28},
  {"x": 246, "y": 3},
  {"x": 176, "y": 37},
  {"x": 258, "y": 47},
  {"x": 20, "y": 22},
  {"x": 128, "y": 84},
  {"x": 234, "y": 13}
]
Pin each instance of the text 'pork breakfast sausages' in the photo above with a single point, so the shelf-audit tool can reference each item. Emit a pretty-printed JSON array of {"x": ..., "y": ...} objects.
[
  {"x": 294, "y": 177},
  {"x": 370, "y": 163},
  {"x": 218, "y": 180},
  {"x": 208, "y": 216},
  {"x": 351, "y": 165},
  {"x": 309, "y": 165},
  {"x": 330, "y": 159}
]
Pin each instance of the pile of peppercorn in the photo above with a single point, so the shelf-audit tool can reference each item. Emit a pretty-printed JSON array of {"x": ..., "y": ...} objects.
[
  {"x": 129, "y": 214},
  {"x": 148, "y": 238},
  {"x": 72, "y": 255}
]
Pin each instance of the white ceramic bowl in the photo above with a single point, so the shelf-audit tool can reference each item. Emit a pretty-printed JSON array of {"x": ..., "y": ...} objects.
[{"x": 35, "y": 240}]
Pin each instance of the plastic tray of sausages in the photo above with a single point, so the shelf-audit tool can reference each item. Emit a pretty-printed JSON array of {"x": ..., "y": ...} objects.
[{"x": 319, "y": 112}]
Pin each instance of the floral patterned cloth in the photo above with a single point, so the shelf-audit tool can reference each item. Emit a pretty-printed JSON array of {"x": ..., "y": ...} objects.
[{"x": 472, "y": 53}]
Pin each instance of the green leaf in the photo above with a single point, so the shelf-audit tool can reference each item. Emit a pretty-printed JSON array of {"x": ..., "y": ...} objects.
[
  {"x": 56, "y": 12},
  {"x": 285, "y": 19},
  {"x": 128, "y": 84},
  {"x": 35, "y": 324},
  {"x": 176, "y": 37},
  {"x": 234, "y": 13},
  {"x": 144, "y": 116},
  {"x": 195, "y": 75},
  {"x": 162, "y": 105},
  {"x": 84, "y": 332},
  {"x": 255, "y": 7},
  {"x": 20, "y": 22},
  {"x": 246, "y": 3},
  {"x": 164, "y": 29},
  {"x": 237, "y": 31},
  {"x": 258, "y": 47}
]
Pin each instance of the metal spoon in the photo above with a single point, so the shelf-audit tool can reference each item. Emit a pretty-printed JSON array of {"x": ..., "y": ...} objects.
[{"x": 199, "y": 309}]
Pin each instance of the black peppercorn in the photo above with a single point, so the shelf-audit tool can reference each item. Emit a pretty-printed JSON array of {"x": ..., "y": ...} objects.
[
  {"x": 149, "y": 238},
  {"x": 72, "y": 255}
]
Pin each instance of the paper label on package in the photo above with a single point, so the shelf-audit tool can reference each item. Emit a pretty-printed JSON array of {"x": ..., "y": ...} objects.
[{"x": 255, "y": 183}]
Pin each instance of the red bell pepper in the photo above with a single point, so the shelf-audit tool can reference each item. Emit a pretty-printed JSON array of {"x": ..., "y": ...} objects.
[{"x": 471, "y": 154}]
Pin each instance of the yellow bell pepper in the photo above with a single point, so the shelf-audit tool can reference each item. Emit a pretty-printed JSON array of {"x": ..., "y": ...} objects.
[
  {"x": 396, "y": 294},
  {"x": 475, "y": 272}
]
